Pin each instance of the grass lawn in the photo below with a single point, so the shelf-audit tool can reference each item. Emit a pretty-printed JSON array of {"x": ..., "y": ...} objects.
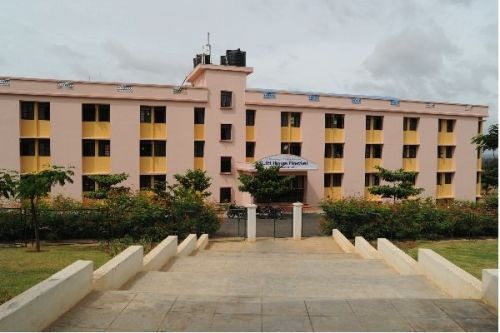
[
  {"x": 21, "y": 268},
  {"x": 470, "y": 255}
]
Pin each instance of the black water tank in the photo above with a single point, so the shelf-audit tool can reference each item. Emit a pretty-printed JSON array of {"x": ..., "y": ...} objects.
[
  {"x": 223, "y": 60},
  {"x": 198, "y": 59},
  {"x": 236, "y": 58}
]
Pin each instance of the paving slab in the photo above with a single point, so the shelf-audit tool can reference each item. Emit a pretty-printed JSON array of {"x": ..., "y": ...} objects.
[
  {"x": 286, "y": 323},
  {"x": 223, "y": 322},
  {"x": 345, "y": 323},
  {"x": 478, "y": 324},
  {"x": 434, "y": 324},
  {"x": 186, "y": 322}
]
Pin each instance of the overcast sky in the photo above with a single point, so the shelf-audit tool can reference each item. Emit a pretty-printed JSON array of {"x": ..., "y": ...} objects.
[{"x": 442, "y": 50}]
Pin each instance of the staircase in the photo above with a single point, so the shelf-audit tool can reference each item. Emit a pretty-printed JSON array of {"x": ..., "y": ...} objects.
[{"x": 270, "y": 285}]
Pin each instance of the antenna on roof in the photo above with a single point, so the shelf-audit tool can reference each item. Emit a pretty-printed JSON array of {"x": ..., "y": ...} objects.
[{"x": 206, "y": 51}]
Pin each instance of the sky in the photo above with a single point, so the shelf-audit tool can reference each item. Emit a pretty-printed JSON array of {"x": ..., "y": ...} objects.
[{"x": 431, "y": 50}]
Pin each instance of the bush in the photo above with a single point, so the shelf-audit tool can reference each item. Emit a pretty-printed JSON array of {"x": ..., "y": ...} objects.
[
  {"x": 409, "y": 219},
  {"x": 136, "y": 216}
]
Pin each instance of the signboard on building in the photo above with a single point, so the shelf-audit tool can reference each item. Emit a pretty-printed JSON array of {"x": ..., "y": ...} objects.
[{"x": 288, "y": 162}]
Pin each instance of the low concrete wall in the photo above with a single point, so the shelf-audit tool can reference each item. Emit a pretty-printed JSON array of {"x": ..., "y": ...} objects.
[
  {"x": 452, "y": 279},
  {"x": 489, "y": 289},
  {"x": 120, "y": 269},
  {"x": 39, "y": 306},
  {"x": 160, "y": 255},
  {"x": 202, "y": 242},
  {"x": 365, "y": 249},
  {"x": 396, "y": 258},
  {"x": 343, "y": 242},
  {"x": 187, "y": 246}
]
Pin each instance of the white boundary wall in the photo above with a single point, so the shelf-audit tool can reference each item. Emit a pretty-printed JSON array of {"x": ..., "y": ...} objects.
[
  {"x": 42, "y": 304},
  {"x": 343, "y": 242},
  {"x": 396, "y": 258},
  {"x": 187, "y": 246},
  {"x": 161, "y": 254},
  {"x": 202, "y": 242},
  {"x": 449, "y": 277},
  {"x": 490, "y": 287},
  {"x": 365, "y": 249},
  {"x": 118, "y": 270}
]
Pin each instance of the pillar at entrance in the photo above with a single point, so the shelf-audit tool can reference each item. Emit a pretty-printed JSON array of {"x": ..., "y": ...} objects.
[
  {"x": 297, "y": 220},
  {"x": 251, "y": 223}
]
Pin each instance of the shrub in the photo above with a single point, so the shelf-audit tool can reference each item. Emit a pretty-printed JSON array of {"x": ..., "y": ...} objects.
[{"x": 409, "y": 219}]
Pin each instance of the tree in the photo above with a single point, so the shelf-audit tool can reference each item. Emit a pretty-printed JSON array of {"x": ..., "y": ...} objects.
[
  {"x": 196, "y": 180},
  {"x": 266, "y": 185},
  {"x": 489, "y": 177},
  {"x": 488, "y": 141},
  {"x": 106, "y": 184},
  {"x": 400, "y": 184},
  {"x": 36, "y": 185},
  {"x": 7, "y": 184}
]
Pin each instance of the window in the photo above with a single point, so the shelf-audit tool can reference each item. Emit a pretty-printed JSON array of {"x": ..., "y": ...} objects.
[
  {"x": 250, "y": 149},
  {"x": 445, "y": 151},
  {"x": 226, "y": 99},
  {"x": 450, "y": 125},
  {"x": 293, "y": 148},
  {"x": 88, "y": 184},
  {"x": 28, "y": 110},
  {"x": 199, "y": 115},
  {"x": 327, "y": 182},
  {"x": 334, "y": 120},
  {"x": 146, "y": 148},
  {"x": 27, "y": 147},
  {"x": 438, "y": 179},
  {"x": 284, "y": 119},
  {"x": 225, "y": 195},
  {"x": 414, "y": 179},
  {"x": 373, "y": 151},
  {"x": 337, "y": 180},
  {"x": 478, "y": 177},
  {"x": 160, "y": 148},
  {"x": 88, "y": 112},
  {"x": 225, "y": 164},
  {"x": 44, "y": 147},
  {"x": 104, "y": 148},
  {"x": 145, "y": 114},
  {"x": 410, "y": 124},
  {"x": 448, "y": 177},
  {"x": 334, "y": 150},
  {"x": 374, "y": 123},
  {"x": 250, "y": 118},
  {"x": 295, "y": 119},
  {"x": 160, "y": 114},
  {"x": 145, "y": 182},
  {"x": 44, "y": 111},
  {"x": 449, "y": 151},
  {"x": 158, "y": 179},
  {"x": 371, "y": 180},
  {"x": 225, "y": 132},
  {"x": 88, "y": 147},
  {"x": 478, "y": 153},
  {"x": 479, "y": 127},
  {"x": 410, "y": 151},
  {"x": 103, "y": 112},
  {"x": 199, "y": 147}
]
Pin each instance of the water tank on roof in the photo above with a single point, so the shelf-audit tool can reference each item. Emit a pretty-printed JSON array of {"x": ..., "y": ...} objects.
[
  {"x": 201, "y": 59},
  {"x": 236, "y": 58},
  {"x": 223, "y": 60}
]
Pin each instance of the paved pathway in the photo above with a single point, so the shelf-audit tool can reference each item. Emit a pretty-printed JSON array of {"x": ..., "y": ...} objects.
[{"x": 276, "y": 285}]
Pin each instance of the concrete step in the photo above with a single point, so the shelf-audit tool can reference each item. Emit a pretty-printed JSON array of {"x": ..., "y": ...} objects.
[{"x": 342, "y": 286}]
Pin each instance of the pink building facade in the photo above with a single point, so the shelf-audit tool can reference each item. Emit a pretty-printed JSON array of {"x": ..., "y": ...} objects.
[{"x": 331, "y": 143}]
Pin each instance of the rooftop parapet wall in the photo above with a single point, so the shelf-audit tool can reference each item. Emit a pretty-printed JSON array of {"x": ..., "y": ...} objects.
[
  {"x": 107, "y": 90},
  {"x": 255, "y": 97}
]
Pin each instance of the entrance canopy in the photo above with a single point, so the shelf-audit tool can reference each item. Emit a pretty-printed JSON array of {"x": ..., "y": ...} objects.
[{"x": 286, "y": 162}]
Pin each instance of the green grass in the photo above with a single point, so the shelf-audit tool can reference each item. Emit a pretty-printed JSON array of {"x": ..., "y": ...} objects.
[
  {"x": 470, "y": 255},
  {"x": 22, "y": 268}
]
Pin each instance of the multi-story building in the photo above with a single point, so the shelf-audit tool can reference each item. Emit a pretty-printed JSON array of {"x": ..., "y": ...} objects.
[{"x": 331, "y": 143}]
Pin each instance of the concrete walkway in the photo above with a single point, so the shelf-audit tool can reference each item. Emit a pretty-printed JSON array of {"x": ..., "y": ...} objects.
[{"x": 276, "y": 285}]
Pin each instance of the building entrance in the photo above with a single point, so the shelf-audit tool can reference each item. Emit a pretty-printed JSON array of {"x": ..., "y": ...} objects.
[{"x": 296, "y": 190}]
